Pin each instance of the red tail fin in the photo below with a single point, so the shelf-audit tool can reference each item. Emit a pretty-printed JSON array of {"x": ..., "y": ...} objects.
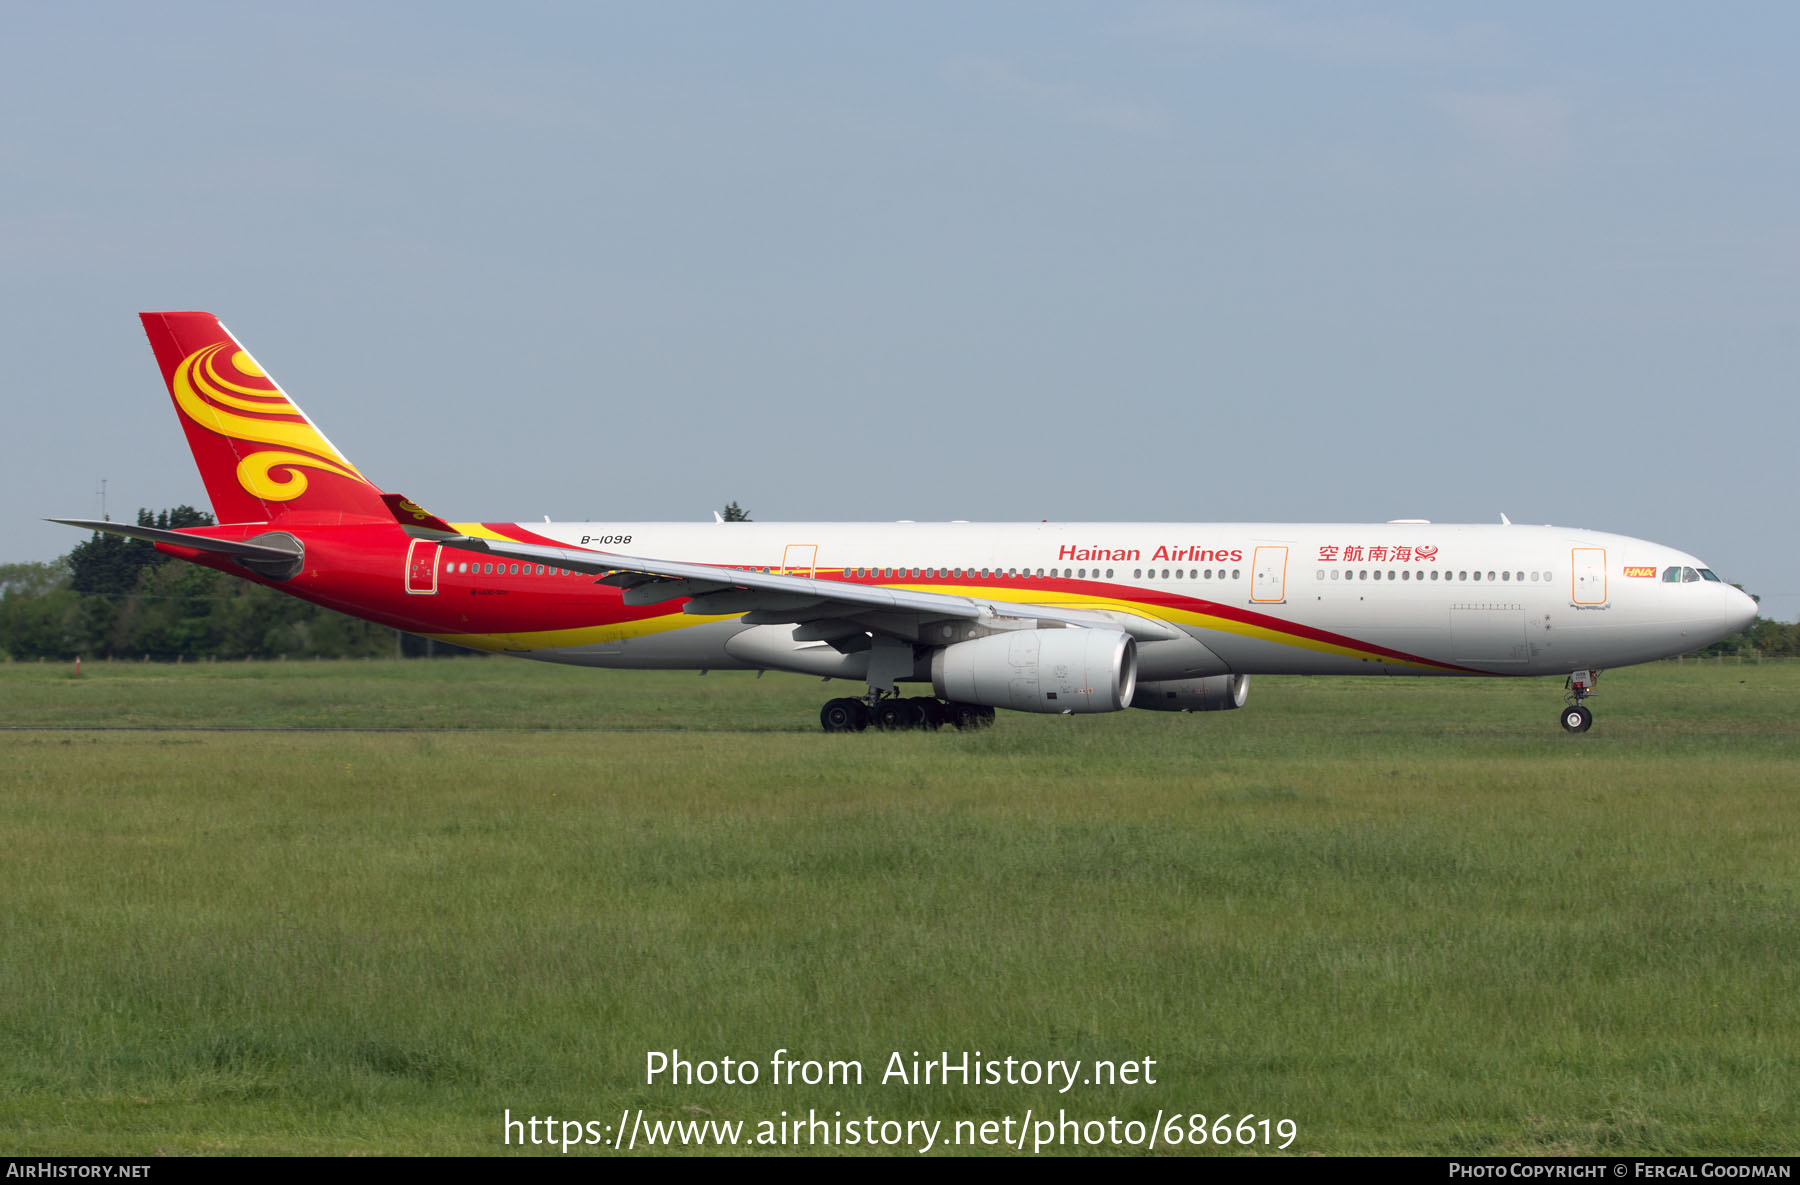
[{"x": 258, "y": 454}]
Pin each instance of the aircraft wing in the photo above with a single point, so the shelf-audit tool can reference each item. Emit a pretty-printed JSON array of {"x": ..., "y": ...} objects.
[{"x": 767, "y": 598}]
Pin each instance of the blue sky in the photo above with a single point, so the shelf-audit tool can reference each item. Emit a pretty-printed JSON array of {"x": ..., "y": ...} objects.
[{"x": 1189, "y": 262}]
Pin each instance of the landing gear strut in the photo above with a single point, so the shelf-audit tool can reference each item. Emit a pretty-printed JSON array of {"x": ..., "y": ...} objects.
[{"x": 1576, "y": 717}]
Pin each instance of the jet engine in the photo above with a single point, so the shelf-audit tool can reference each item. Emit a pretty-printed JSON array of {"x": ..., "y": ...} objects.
[
  {"x": 1054, "y": 670},
  {"x": 1215, "y": 693}
]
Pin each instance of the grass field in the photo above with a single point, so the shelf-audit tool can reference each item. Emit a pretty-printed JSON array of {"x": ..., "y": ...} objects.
[{"x": 1410, "y": 915}]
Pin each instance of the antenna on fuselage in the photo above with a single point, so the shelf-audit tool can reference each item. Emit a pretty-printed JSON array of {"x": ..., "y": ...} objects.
[{"x": 1504, "y": 521}]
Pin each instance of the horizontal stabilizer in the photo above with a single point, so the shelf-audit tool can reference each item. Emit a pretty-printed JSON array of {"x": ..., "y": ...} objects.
[{"x": 243, "y": 551}]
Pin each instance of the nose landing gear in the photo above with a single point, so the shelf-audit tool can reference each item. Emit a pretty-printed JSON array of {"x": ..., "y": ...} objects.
[{"x": 1576, "y": 717}]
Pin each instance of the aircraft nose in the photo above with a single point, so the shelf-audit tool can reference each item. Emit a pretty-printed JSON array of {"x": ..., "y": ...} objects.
[{"x": 1740, "y": 610}]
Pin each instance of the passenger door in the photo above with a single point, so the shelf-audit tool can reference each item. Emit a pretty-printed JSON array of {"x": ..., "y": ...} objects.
[
  {"x": 1587, "y": 576},
  {"x": 1268, "y": 575},
  {"x": 421, "y": 568}
]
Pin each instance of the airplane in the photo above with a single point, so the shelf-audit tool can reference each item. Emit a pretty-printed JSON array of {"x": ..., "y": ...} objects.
[{"x": 1068, "y": 618}]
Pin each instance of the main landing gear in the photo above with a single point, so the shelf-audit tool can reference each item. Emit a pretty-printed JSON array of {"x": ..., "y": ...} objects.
[
  {"x": 1576, "y": 717},
  {"x": 892, "y": 713}
]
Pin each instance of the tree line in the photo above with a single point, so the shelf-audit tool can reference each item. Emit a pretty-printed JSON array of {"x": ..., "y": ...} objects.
[{"x": 112, "y": 597}]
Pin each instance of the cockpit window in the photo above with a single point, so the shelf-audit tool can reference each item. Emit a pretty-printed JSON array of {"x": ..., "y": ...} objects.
[
  {"x": 1672, "y": 575},
  {"x": 1709, "y": 574},
  {"x": 1689, "y": 576}
]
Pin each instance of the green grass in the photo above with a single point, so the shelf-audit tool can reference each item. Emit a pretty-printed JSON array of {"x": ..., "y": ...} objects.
[{"x": 1410, "y": 915}]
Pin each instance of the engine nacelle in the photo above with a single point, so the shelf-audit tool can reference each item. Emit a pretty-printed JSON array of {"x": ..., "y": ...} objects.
[
  {"x": 1062, "y": 671},
  {"x": 1215, "y": 693}
]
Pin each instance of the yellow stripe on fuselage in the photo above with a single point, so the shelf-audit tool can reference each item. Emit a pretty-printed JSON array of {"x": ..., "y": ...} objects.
[
  {"x": 1173, "y": 616},
  {"x": 477, "y": 531},
  {"x": 583, "y": 635},
  {"x": 646, "y": 627}
]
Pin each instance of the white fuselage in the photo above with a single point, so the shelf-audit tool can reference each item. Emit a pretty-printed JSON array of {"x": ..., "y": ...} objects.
[{"x": 1399, "y": 598}]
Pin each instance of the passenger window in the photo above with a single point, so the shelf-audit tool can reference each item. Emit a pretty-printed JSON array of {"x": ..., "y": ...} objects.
[{"x": 1506, "y": 575}]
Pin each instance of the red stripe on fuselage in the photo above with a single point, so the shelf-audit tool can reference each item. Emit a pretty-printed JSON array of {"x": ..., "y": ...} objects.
[{"x": 361, "y": 570}]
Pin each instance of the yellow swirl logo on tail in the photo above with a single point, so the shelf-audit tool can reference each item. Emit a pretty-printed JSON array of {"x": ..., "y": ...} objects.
[{"x": 240, "y": 403}]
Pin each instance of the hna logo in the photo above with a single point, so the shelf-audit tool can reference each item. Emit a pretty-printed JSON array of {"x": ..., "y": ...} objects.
[{"x": 238, "y": 401}]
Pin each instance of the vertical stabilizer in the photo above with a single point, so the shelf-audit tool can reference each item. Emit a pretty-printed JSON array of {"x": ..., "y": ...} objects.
[{"x": 258, "y": 454}]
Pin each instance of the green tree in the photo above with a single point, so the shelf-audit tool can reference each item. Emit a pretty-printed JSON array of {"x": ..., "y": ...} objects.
[
  {"x": 109, "y": 565},
  {"x": 38, "y": 613},
  {"x": 34, "y": 579},
  {"x": 733, "y": 513}
]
